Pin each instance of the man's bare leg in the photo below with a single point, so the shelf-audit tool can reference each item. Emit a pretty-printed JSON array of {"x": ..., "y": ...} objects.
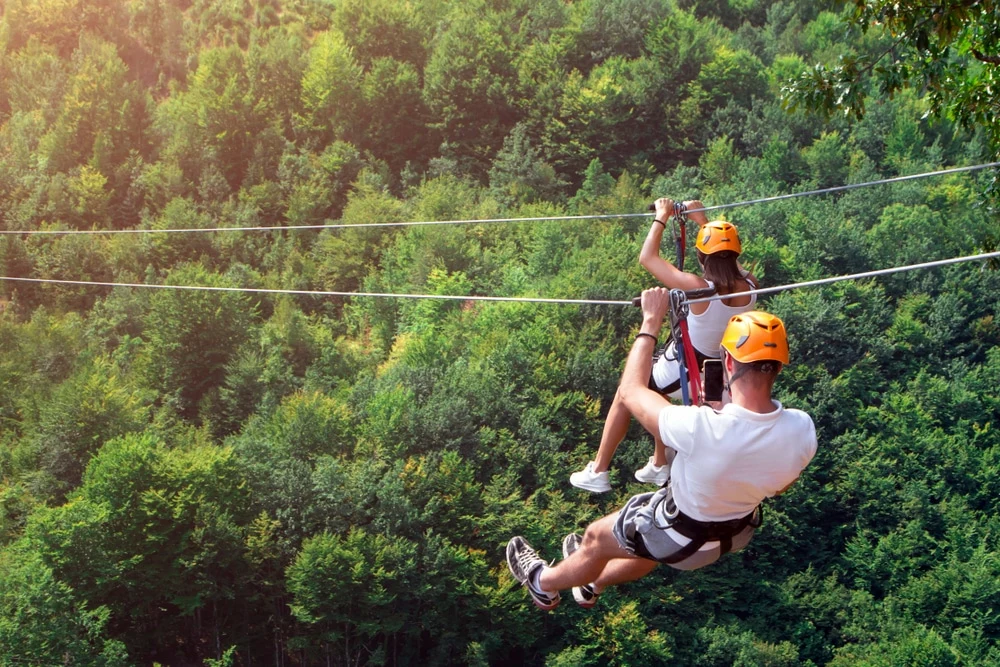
[
  {"x": 621, "y": 570},
  {"x": 588, "y": 563}
]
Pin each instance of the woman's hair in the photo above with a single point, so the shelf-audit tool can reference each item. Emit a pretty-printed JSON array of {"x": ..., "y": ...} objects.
[{"x": 722, "y": 269}]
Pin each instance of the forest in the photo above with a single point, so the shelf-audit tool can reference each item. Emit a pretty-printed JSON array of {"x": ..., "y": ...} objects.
[{"x": 235, "y": 477}]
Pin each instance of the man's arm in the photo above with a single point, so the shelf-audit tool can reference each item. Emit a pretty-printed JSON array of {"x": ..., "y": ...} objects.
[{"x": 644, "y": 403}]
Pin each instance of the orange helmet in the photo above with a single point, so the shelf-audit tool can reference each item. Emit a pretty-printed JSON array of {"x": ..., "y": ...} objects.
[
  {"x": 756, "y": 336},
  {"x": 717, "y": 236}
]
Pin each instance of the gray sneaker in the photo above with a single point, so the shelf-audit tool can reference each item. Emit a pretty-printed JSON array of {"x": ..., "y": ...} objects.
[
  {"x": 587, "y": 479},
  {"x": 523, "y": 561},
  {"x": 584, "y": 595}
]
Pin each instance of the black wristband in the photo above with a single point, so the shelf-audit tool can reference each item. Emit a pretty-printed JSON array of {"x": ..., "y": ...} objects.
[
  {"x": 661, "y": 222},
  {"x": 656, "y": 341}
]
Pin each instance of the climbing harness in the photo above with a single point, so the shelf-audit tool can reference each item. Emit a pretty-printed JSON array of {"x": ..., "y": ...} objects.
[{"x": 665, "y": 515}]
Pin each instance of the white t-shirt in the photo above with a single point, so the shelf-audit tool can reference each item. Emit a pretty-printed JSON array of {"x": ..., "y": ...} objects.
[{"x": 729, "y": 460}]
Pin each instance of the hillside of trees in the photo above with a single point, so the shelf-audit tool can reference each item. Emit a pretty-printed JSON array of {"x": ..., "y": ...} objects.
[{"x": 245, "y": 478}]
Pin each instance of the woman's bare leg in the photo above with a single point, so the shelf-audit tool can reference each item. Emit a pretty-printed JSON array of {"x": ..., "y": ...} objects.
[
  {"x": 615, "y": 427},
  {"x": 662, "y": 455}
]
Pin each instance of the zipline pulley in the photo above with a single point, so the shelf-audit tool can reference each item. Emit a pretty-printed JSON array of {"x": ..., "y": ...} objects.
[{"x": 679, "y": 232}]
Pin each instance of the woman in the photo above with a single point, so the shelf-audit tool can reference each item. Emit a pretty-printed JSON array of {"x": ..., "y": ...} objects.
[{"x": 718, "y": 247}]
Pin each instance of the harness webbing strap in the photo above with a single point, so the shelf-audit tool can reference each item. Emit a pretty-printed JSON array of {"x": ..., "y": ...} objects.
[
  {"x": 689, "y": 372},
  {"x": 700, "y": 532},
  {"x": 691, "y": 362},
  {"x": 678, "y": 330}
]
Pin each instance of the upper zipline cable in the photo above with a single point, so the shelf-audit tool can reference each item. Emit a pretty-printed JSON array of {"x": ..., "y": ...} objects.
[
  {"x": 609, "y": 216},
  {"x": 598, "y": 302}
]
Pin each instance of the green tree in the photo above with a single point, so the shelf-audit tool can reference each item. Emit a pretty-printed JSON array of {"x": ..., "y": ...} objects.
[
  {"x": 732, "y": 75},
  {"x": 519, "y": 175},
  {"x": 191, "y": 335},
  {"x": 395, "y": 113},
  {"x": 827, "y": 160},
  {"x": 950, "y": 50},
  {"x": 383, "y": 29},
  {"x": 331, "y": 85},
  {"x": 88, "y": 409},
  {"x": 102, "y": 117},
  {"x": 352, "y": 616},
  {"x": 153, "y": 535},
  {"x": 41, "y": 617},
  {"x": 615, "y": 28},
  {"x": 471, "y": 85},
  {"x": 344, "y": 256},
  {"x": 212, "y": 128}
]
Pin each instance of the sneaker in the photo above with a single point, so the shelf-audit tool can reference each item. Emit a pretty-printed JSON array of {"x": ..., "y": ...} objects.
[
  {"x": 523, "y": 561},
  {"x": 652, "y": 474},
  {"x": 584, "y": 595},
  {"x": 587, "y": 479}
]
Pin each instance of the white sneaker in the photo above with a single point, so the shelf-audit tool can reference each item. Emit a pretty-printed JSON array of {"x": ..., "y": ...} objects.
[
  {"x": 652, "y": 474},
  {"x": 584, "y": 595},
  {"x": 587, "y": 479}
]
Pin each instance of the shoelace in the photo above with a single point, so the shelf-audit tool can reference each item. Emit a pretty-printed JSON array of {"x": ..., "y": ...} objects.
[{"x": 525, "y": 559}]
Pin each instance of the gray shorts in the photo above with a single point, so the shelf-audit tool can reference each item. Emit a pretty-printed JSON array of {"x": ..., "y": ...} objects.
[{"x": 643, "y": 528}]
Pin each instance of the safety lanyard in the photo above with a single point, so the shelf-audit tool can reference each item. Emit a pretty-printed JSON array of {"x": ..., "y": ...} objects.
[{"x": 687, "y": 360}]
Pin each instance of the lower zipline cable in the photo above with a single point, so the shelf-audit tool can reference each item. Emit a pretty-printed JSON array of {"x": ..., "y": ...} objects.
[
  {"x": 263, "y": 290},
  {"x": 520, "y": 299}
]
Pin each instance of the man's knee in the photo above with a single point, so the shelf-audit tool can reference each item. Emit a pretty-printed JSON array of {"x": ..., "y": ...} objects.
[
  {"x": 591, "y": 537},
  {"x": 599, "y": 538}
]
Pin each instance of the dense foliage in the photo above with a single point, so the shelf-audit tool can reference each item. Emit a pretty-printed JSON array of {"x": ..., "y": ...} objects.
[
  {"x": 227, "y": 477},
  {"x": 951, "y": 49}
]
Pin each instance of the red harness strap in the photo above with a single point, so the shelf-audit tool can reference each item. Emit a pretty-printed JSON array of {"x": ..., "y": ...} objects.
[{"x": 691, "y": 361}]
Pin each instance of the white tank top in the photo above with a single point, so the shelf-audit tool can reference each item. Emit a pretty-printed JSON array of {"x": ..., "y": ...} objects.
[{"x": 706, "y": 330}]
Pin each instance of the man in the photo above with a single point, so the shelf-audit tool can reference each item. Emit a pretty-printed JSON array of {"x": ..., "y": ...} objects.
[{"x": 727, "y": 461}]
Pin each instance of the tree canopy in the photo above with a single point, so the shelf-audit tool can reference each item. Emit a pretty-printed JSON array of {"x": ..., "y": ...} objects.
[{"x": 248, "y": 478}]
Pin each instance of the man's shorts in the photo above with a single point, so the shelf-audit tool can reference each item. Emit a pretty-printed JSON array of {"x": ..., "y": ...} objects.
[{"x": 643, "y": 528}]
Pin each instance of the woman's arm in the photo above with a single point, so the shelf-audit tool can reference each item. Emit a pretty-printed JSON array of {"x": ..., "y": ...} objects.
[{"x": 649, "y": 256}]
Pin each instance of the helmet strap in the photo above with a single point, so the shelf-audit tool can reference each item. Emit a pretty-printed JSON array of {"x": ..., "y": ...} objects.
[{"x": 726, "y": 380}]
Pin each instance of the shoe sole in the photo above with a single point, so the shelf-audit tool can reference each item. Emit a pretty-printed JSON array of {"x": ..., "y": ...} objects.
[
  {"x": 652, "y": 480},
  {"x": 589, "y": 487},
  {"x": 577, "y": 594},
  {"x": 541, "y": 605},
  {"x": 544, "y": 607}
]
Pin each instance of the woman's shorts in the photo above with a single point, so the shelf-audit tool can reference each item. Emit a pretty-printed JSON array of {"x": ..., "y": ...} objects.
[
  {"x": 665, "y": 376},
  {"x": 643, "y": 528}
]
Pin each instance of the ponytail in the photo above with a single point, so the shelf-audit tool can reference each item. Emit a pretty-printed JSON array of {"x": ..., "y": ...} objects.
[{"x": 722, "y": 269}]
